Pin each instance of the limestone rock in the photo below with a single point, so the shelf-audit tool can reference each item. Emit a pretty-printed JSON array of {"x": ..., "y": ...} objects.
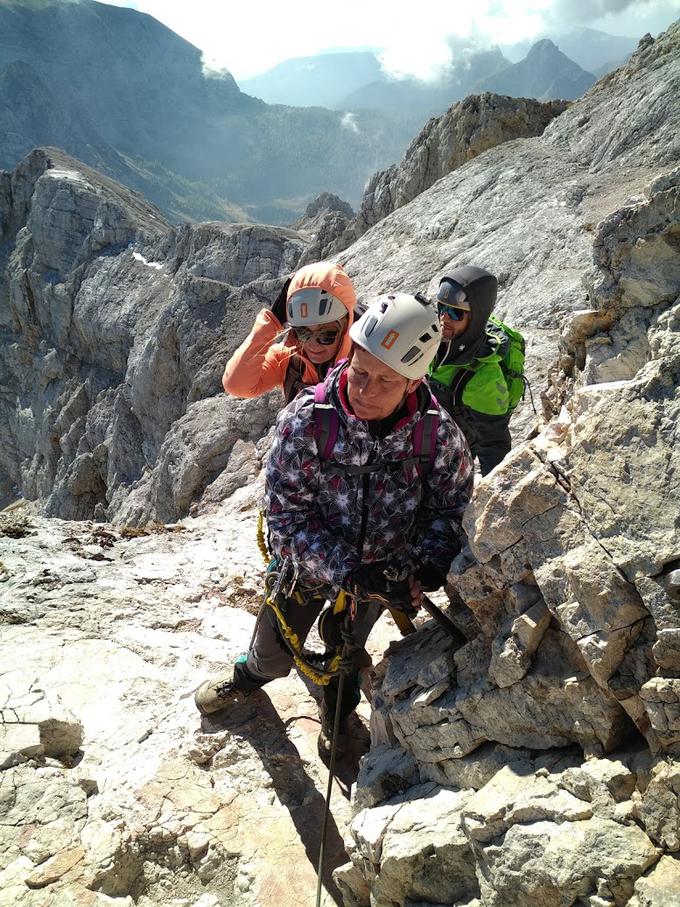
[
  {"x": 528, "y": 869},
  {"x": 329, "y": 223},
  {"x": 511, "y": 655},
  {"x": 658, "y": 809},
  {"x": 412, "y": 840},
  {"x": 520, "y": 824},
  {"x": 118, "y": 329},
  {"x": 19, "y": 742},
  {"x": 661, "y": 697},
  {"x": 660, "y": 887},
  {"x": 384, "y": 772},
  {"x": 471, "y": 126},
  {"x": 353, "y": 886},
  {"x": 35, "y": 723}
]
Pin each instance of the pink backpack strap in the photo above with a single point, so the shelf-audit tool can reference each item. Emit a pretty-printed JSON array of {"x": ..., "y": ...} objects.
[
  {"x": 326, "y": 423},
  {"x": 424, "y": 439}
]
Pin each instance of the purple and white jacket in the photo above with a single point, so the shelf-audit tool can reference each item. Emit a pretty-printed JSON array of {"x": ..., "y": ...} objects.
[{"x": 329, "y": 522}]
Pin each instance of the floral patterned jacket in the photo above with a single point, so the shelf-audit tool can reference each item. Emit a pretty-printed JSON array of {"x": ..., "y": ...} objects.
[{"x": 329, "y": 522}]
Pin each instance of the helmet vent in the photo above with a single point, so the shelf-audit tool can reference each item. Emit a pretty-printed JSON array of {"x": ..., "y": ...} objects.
[
  {"x": 425, "y": 337},
  {"x": 413, "y": 355},
  {"x": 369, "y": 327}
]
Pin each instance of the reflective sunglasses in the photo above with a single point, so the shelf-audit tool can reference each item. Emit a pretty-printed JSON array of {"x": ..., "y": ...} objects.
[
  {"x": 454, "y": 314},
  {"x": 452, "y": 300},
  {"x": 324, "y": 337}
]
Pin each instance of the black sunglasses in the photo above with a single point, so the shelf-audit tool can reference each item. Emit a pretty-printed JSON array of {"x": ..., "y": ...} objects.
[{"x": 324, "y": 338}]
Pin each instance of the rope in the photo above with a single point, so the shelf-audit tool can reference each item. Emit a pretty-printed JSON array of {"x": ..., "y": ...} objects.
[
  {"x": 322, "y": 678},
  {"x": 293, "y": 640},
  {"x": 329, "y": 789},
  {"x": 261, "y": 543},
  {"x": 531, "y": 396}
]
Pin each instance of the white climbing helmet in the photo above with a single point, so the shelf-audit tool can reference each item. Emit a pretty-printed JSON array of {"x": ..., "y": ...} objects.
[
  {"x": 313, "y": 305},
  {"x": 400, "y": 330}
]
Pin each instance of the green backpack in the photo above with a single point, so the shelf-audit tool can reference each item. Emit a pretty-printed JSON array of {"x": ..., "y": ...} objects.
[{"x": 510, "y": 347}]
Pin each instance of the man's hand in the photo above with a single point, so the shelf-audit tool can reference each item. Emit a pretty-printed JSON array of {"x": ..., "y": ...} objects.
[
  {"x": 369, "y": 581},
  {"x": 416, "y": 593},
  {"x": 429, "y": 577}
]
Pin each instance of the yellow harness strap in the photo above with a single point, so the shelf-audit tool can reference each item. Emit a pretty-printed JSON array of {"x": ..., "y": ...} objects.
[{"x": 403, "y": 622}]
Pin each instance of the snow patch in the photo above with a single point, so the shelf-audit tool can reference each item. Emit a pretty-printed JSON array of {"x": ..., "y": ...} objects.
[
  {"x": 149, "y": 264},
  {"x": 72, "y": 175}
]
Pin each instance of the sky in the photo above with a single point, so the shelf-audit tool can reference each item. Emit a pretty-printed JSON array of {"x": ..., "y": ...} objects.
[{"x": 249, "y": 38}]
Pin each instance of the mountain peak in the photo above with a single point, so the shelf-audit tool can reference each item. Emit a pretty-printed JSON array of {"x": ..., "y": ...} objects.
[{"x": 544, "y": 47}]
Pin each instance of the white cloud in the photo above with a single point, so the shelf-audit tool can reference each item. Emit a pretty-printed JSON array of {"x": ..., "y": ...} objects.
[
  {"x": 349, "y": 121},
  {"x": 249, "y": 38}
]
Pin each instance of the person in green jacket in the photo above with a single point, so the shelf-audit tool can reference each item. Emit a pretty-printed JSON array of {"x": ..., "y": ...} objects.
[{"x": 466, "y": 375}]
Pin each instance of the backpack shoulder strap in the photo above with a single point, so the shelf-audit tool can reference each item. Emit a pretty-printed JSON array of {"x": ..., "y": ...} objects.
[
  {"x": 293, "y": 382},
  {"x": 424, "y": 439},
  {"x": 326, "y": 423}
]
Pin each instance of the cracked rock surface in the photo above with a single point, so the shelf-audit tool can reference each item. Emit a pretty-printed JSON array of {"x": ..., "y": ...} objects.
[
  {"x": 113, "y": 790},
  {"x": 536, "y": 763}
]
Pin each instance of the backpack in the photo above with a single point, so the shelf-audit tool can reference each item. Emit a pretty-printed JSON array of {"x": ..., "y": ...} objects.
[
  {"x": 423, "y": 438},
  {"x": 293, "y": 382},
  {"x": 510, "y": 347}
]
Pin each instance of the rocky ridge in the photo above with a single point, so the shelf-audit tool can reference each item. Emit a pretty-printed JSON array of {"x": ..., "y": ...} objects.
[
  {"x": 468, "y": 128},
  {"x": 116, "y": 329},
  {"x": 535, "y": 764}
]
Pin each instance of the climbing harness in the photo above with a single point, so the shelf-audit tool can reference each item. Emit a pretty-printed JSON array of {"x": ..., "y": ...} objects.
[{"x": 280, "y": 584}]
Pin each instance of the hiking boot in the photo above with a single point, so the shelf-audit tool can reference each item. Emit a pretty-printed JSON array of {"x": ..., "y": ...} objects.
[
  {"x": 218, "y": 693},
  {"x": 325, "y": 741}
]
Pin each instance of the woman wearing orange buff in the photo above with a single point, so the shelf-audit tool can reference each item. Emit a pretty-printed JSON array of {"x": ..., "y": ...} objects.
[{"x": 295, "y": 342}]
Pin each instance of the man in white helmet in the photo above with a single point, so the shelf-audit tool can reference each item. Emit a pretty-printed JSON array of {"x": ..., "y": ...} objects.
[{"x": 366, "y": 486}]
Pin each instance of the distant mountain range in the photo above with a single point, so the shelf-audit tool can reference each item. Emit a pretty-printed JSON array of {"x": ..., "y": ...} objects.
[
  {"x": 354, "y": 81},
  {"x": 593, "y": 50},
  {"x": 465, "y": 76},
  {"x": 545, "y": 73},
  {"x": 324, "y": 80},
  {"x": 128, "y": 96}
]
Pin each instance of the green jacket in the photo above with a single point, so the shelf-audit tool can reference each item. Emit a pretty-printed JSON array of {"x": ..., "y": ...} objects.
[
  {"x": 483, "y": 384},
  {"x": 476, "y": 396}
]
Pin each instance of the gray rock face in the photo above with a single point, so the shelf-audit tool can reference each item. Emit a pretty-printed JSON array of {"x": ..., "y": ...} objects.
[
  {"x": 537, "y": 762},
  {"x": 328, "y": 222},
  {"x": 470, "y": 127},
  {"x": 536, "y": 836},
  {"x": 573, "y": 590},
  {"x": 116, "y": 328}
]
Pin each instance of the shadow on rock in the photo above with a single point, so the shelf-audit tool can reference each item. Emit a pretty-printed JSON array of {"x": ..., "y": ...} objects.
[{"x": 257, "y": 720}]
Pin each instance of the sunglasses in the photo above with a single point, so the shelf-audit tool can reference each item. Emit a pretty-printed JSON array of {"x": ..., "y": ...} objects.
[
  {"x": 454, "y": 314},
  {"x": 324, "y": 338},
  {"x": 449, "y": 293}
]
